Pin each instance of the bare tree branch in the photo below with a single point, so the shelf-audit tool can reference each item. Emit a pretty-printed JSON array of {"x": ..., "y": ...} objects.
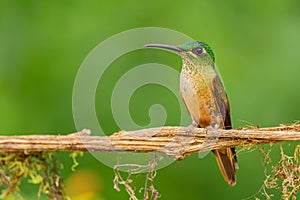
[{"x": 173, "y": 141}]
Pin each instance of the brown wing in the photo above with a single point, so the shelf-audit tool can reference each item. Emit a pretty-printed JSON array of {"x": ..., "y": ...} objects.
[
  {"x": 226, "y": 158},
  {"x": 221, "y": 100}
]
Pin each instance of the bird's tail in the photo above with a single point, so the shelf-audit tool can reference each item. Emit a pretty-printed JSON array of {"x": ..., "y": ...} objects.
[{"x": 227, "y": 164}]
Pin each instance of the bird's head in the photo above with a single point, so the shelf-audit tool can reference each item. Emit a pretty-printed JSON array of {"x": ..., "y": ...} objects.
[{"x": 197, "y": 53}]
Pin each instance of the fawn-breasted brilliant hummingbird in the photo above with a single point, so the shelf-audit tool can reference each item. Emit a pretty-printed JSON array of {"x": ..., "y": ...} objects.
[{"x": 205, "y": 98}]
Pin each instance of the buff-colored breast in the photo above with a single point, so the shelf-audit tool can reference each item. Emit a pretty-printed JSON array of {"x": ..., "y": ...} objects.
[{"x": 196, "y": 94}]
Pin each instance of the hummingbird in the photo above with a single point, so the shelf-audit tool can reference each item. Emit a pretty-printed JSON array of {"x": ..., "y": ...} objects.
[{"x": 205, "y": 98}]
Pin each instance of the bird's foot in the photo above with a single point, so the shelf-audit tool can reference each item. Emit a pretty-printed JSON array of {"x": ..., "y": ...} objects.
[
  {"x": 191, "y": 127},
  {"x": 208, "y": 129},
  {"x": 212, "y": 133}
]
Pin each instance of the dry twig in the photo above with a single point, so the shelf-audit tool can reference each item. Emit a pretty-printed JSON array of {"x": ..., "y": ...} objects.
[{"x": 173, "y": 141}]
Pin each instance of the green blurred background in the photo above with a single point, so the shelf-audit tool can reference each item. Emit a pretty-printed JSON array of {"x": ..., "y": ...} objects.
[{"x": 43, "y": 43}]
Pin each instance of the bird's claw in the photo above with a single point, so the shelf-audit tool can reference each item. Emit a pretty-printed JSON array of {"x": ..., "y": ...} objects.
[
  {"x": 208, "y": 128},
  {"x": 191, "y": 127}
]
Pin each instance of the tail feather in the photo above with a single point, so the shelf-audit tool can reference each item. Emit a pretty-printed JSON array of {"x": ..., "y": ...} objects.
[{"x": 227, "y": 164}]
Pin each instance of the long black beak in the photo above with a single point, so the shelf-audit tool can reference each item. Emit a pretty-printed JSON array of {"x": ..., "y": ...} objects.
[{"x": 164, "y": 46}]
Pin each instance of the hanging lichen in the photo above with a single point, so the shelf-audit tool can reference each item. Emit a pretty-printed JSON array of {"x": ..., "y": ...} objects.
[
  {"x": 39, "y": 168},
  {"x": 282, "y": 177}
]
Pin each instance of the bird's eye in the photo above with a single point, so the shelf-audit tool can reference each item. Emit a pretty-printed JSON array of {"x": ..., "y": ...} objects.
[{"x": 197, "y": 51}]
